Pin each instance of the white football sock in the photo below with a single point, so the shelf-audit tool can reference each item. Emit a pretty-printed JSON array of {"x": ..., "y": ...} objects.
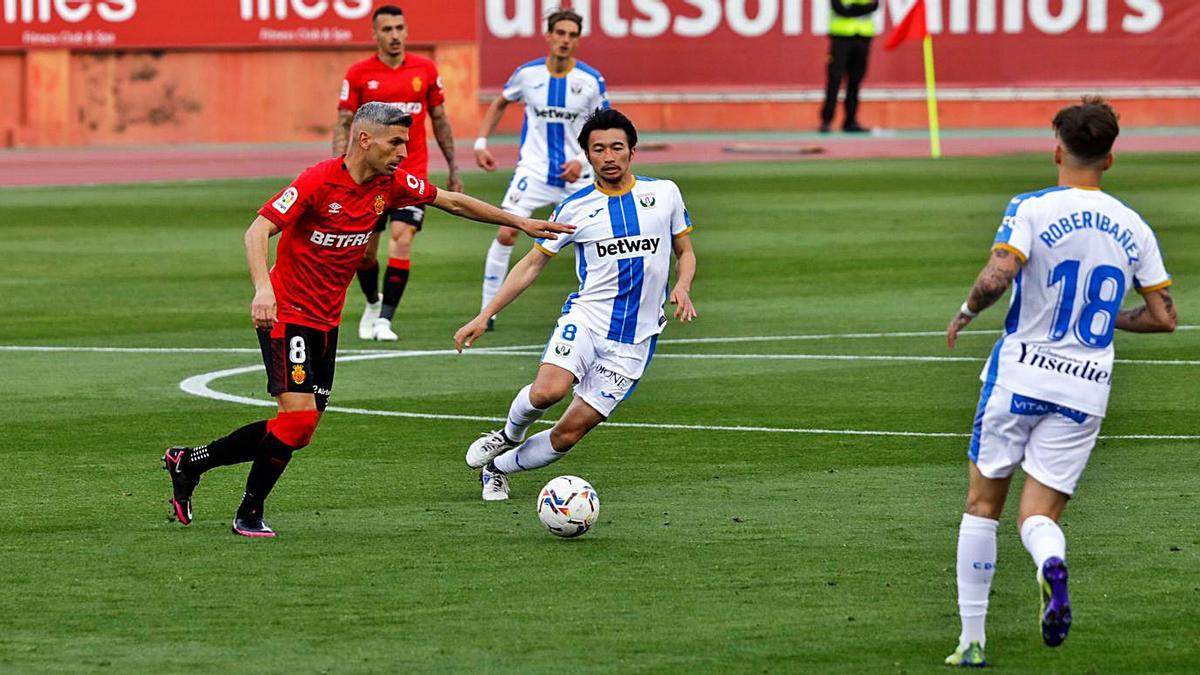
[
  {"x": 532, "y": 454},
  {"x": 976, "y": 566},
  {"x": 1043, "y": 538},
  {"x": 494, "y": 270},
  {"x": 521, "y": 415}
]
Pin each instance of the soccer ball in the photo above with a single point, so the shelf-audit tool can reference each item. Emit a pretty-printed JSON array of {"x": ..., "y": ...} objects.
[{"x": 568, "y": 506}]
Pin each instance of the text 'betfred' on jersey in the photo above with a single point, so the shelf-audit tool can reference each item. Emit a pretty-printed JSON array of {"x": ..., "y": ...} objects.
[{"x": 338, "y": 240}]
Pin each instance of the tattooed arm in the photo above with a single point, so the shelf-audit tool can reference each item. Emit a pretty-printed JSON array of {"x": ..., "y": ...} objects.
[
  {"x": 1157, "y": 315},
  {"x": 341, "y": 132},
  {"x": 445, "y": 141},
  {"x": 993, "y": 281}
]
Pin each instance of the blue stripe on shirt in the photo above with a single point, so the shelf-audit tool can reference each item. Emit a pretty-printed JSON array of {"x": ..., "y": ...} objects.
[{"x": 622, "y": 327}]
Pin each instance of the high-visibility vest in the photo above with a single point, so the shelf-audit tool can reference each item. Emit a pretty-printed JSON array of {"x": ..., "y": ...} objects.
[{"x": 851, "y": 26}]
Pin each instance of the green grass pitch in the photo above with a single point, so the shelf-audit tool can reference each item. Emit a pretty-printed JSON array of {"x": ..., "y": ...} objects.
[{"x": 716, "y": 551}]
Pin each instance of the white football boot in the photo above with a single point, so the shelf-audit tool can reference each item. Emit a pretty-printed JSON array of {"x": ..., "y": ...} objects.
[
  {"x": 366, "y": 325},
  {"x": 382, "y": 331},
  {"x": 495, "y": 485},
  {"x": 487, "y": 447}
]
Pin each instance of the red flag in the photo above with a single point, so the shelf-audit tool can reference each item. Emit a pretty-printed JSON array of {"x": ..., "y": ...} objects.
[{"x": 911, "y": 27}]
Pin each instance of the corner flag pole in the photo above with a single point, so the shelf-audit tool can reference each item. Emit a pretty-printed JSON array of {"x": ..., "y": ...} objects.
[{"x": 935, "y": 143}]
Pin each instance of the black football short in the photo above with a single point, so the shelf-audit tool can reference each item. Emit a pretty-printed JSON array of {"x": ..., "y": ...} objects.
[
  {"x": 413, "y": 215},
  {"x": 299, "y": 359}
]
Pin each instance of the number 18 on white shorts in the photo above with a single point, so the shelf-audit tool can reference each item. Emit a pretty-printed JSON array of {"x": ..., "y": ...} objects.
[
  {"x": 1052, "y": 443},
  {"x": 607, "y": 371}
]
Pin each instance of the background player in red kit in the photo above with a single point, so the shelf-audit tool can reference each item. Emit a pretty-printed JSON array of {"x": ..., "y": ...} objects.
[
  {"x": 326, "y": 216},
  {"x": 411, "y": 83}
]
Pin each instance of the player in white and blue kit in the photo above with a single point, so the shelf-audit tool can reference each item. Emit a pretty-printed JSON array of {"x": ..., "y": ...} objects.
[
  {"x": 558, "y": 93},
  {"x": 1073, "y": 251},
  {"x": 627, "y": 228}
]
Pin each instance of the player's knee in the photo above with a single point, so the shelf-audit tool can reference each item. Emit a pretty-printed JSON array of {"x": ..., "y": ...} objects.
[
  {"x": 294, "y": 428},
  {"x": 562, "y": 439},
  {"x": 507, "y": 236},
  {"x": 543, "y": 394},
  {"x": 982, "y": 506}
]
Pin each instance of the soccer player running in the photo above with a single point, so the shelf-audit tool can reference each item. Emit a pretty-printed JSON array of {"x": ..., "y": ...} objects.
[
  {"x": 606, "y": 335},
  {"x": 326, "y": 217},
  {"x": 411, "y": 83},
  {"x": 558, "y": 91},
  {"x": 1073, "y": 251}
]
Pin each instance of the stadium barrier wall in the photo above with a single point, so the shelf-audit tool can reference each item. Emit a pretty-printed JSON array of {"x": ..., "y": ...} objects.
[{"x": 104, "y": 72}]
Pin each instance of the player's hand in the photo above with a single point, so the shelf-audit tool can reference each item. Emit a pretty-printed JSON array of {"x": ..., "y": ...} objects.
[
  {"x": 958, "y": 323},
  {"x": 485, "y": 160},
  {"x": 543, "y": 229},
  {"x": 467, "y": 335},
  {"x": 454, "y": 182},
  {"x": 571, "y": 171},
  {"x": 263, "y": 309},
  {"x": 684, "y": 309}
]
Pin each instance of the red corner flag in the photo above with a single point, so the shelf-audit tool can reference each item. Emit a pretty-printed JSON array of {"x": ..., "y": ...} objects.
[{"x": 911, "y": 27}]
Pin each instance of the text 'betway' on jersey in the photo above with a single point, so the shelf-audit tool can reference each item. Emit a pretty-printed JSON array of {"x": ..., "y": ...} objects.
[{"x": 627, "y": 247}]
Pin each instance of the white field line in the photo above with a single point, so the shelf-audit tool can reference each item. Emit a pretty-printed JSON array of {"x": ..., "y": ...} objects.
[
  {"x": 198, "y": 385},
  {"x": 534, "y": 350}
]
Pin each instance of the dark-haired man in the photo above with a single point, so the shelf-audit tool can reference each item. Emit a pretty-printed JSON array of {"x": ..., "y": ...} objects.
[
  {"x": 558, "y": 91},
  {"x": 409, "y": 82},
  {"x": 1074, "y": 251},
  {"x": 326, "y": 216},
  {"x": 627, "y": 227}
]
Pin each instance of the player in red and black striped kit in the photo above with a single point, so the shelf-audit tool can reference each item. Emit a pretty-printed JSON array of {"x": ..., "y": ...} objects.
[{"x": 325, "y": 216}]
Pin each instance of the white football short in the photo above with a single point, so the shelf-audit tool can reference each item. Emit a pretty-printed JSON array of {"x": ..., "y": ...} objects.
[
  {"x": 1052, "y": 443},
  {"x": 528, "y": 191},
  {"x": 606, "y": 371}
]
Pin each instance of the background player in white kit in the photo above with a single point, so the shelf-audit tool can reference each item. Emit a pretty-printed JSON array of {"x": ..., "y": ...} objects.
[
  {"x": 559, "y": 92},
  {"x": 1074, "y": 252},
  {"x": 626, "y": 229}
]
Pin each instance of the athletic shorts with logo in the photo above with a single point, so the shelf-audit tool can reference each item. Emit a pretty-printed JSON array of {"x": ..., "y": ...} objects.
[
  {"x": 410, "y": 215},
  {"x": 1050, "y": 442},
  {"x": 607, "y": 371},
  {"x": 299, "y": 359},
  {"x": 528, "y": 191}
]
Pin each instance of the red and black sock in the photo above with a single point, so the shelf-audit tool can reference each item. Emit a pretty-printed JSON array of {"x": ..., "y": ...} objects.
[
  {"x": 239, "y": 446},
  {"x": 272, "y": 458},
  {"x": 394, "y": 281},
  {"x": 368, "y": 281}
]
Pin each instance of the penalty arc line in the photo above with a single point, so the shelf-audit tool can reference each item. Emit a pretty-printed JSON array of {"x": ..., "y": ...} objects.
[{"x": 198, "y": 385}]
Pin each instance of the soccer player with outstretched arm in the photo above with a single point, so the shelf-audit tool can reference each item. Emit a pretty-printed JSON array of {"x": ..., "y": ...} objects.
[
  {"x": 1073, "y": 252},
  {"x": 627, "y": 228},
  {"x": 324, "y": 218},
  {"x": 558, "y": 92}
]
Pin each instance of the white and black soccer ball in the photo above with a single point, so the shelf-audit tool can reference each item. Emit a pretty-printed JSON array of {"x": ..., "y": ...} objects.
[{"x": 568, "y": 506}]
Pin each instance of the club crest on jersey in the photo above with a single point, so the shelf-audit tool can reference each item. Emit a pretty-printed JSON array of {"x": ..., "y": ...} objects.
[
  {"x": 285, "y": 200},
  {"x": 380, "y": 204},
  {"x": 576, "y": 88},
  {"x": 298, "y": 374},
  {"x": 562, "y": 349},
  {"x": 372, "y": 84},
  {"x": 646, "y": 201},
  {"x": 416, "y": 83}
]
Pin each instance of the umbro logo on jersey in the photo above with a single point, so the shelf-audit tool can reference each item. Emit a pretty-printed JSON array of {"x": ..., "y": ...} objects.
[
  {"x": 627, "y": 247},
  {"x": 372, "y": 84},
  {"x": 335, "y": 208}
]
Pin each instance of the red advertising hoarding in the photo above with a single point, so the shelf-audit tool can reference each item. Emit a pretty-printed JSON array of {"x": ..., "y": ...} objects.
[
  {"x": 190, "y": 24},
  {"x": 781, "y": 44}
]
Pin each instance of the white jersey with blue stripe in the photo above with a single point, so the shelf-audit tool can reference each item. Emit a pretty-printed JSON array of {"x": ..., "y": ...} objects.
[
  {"x": 623, "y": 248},
  {"x": 1082, "y": 250},
  {"x": 555, "y": 109}
]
